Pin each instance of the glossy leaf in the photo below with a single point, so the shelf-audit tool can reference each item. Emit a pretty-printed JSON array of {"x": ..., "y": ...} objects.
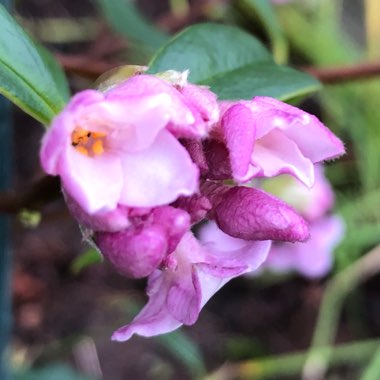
[
  {"x": 26, "y": 78},
  {"x": 233, "y": 63}
]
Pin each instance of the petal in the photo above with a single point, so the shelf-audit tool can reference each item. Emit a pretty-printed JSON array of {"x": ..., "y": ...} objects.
[
  {"x": 183, "y": 121},
  {"x": 204, "y": 101},
  {"x": 94, "y": 182},
  {"x": 314, "y": 140},
  {"x": 315, "y": 258},
  {"x": 276, "y": 154},
  {"x": 159, "y": 174},
  {"x": 312, "y": 259},
  {"x": 238, "y": 126},
  {"x": 111, "y": 221},
  {"x": 154, "y": 318},
  {"x": 57, "y": 139}
]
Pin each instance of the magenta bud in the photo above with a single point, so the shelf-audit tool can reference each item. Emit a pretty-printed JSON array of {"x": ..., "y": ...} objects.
[
  {"x": 252, "y": 214},
  {"x": 135, "y": 253}
]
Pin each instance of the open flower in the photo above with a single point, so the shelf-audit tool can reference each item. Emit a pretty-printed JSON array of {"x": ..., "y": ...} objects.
[
  {"x": 266, "y": 137},
  {"x": 121, "y": 147},
  {"x": 195, "y": 272}
]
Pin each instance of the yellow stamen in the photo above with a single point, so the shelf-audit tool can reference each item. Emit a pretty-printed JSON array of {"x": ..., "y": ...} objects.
[
  {"x": 97, "y": 135},
  {"x": 81, "y": 149},
  {"x": 80, "y": 136},
  {"x": 97, "y": 147}
]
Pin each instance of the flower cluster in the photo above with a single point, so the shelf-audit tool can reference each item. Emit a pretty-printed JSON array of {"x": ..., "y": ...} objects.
[{"x": 144, "y": 161}]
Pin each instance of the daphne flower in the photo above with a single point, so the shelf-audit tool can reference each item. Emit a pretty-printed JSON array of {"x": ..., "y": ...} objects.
[
  {"x": 121, "y": 147},
  {"x": 266, "y": 137},
  {"x": 314, "y": 258},
  {"x": 195, "y": 272}
]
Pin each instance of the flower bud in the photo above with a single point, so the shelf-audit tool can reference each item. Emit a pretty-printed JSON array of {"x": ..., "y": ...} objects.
[{"x": 134, "y": 253}]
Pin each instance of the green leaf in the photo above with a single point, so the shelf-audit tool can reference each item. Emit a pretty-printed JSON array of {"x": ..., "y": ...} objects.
[
  {"x": 26, "y": 78},
  {"x": 233, "y": 63},
  {"x": 126, "y": 19},
  {"x": 185, "y": 350},
  {"x": 56, "y": 72},
  {"x": 87, "y": 258},
  {"x": 263, "y": 12},
  {"x": 264, "y": 79}
]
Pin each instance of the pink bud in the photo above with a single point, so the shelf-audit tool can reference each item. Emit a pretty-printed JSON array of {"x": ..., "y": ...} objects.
[
  {"x": 252, "y": 214},
  {"x": 135, "y": 253}
]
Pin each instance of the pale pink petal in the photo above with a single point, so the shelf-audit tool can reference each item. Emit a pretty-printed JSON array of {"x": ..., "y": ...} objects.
[
  {"x": 204, "y": 101},
  {"x": 94, "y": 182},
  {"x": 184, "y": 123},
  {"x": 276, "y": 154},
  {"x": 314, "y": 140},
  {"x": 314, "y": 258},
  {"x": 159, "y": 174},
  {"x": 154, "y": 318}
]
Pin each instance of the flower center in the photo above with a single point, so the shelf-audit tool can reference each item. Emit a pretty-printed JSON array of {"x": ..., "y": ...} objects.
[{"x": 88, "y": 143}]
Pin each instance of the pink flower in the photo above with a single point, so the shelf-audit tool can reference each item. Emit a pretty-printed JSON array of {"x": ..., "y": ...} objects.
[
  {"x": 121, "y": 147},
  {"x": 194, "y": 273},
  {"x": 314, "y": 258},
  {"x": 266, "y": 137}
]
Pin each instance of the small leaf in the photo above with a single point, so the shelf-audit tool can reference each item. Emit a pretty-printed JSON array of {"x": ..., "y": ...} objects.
[
  {"x": 87, "y": 258},
  {"x": 233, "y": 63},
  {"x": 126, "y": 19},
  {"x": 26, "y": 79}
]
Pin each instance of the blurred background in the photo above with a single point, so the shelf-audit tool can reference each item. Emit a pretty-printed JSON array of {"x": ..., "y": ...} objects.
[{"x": 66, "y": 304}]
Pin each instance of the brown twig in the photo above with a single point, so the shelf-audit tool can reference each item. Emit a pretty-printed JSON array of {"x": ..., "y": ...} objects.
[{"x": 341, "y": 74}]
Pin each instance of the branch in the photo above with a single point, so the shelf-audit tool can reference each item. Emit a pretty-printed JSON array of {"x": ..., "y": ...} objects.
[{"x": 338, "y": 74}]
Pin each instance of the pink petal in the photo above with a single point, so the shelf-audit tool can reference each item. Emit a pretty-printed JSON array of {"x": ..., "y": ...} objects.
[
  {"x": 183, "y": 120},
  {"x": 58, "y": 137},
  {"x": 276, "y": 154},
  {"x": 314, "y": 258},
  {"x": 159, "y": 174},
  {"x": 94, "y": 182},
  {"x": 154, "y": 318},
  {"x": 238, "y": 126},
  {"x": 314, "y": 140}
]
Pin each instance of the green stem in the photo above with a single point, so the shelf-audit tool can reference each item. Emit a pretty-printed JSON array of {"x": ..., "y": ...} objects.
[
  {"x": 287, "y": 365},
  {"x": 328, "y": 318}
]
